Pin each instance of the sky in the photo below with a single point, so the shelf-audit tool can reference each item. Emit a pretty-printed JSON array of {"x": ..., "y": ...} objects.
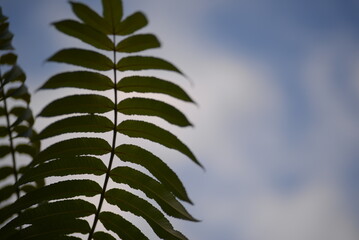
[{"x": 276, "y": 123}]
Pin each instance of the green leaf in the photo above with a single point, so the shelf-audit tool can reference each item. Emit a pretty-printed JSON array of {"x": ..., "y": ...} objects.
[
  {"x": 23, "y": 131},
  {"x": 123, "y": 228},
  {"x": 26, "y": 149},
  {"x": 5, "y": 34},
  {"x": 138, "y": 63},
  {"x": 17, "y": 110},
  {"x": 145, "y": 84},
  {"x": 85, "y": 123},
  {"x": 149, "y": 131},
  {"x": 83, "y": 58},
  {"x": 73, "y": 147},
  {"x": 64, "y": 167},
  {"x": 151, "y": 107},
  {"x": 8, "y": 58},
  {"x": 26, "y": 115},
  {"x": 138, "y": 43},
  {"x": 131, "y": 203},
  {"x": 102, "y": 235},
  {"x": 3, "y": 23},
  {"x": 80, "y": 79},
  {"x": 160, "y": 170},
  {"x": 14, "y": 74},
  {"x": 53, "y": 230},
  {"x": 74, "y": 208},
  {"x": 40, "y": 183},
  {"x": 3, "y": 132},
  {"x": 2, "y": 17},
  {"x": 27, "y": 188},
  {"x": 112, "y": 13},
  {"x": 85, "y": 33},
  {"x": 90, "y": 17},
  {"x": 131, "y": 24},
  {"x": 5, "y": 172},
  {"x": 59, "y": 190},
  {"x": 6, "y": 192},
  {"x": 88, "y": 103},
  {"x": 153, "y": 189},
  {"x": 5, "y": 44},
  {"x": 4, "y": 149},
  {"x": 19, "y": 93}
]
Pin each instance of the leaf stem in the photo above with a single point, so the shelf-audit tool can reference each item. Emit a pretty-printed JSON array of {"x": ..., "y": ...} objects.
[
  {"x": 8, "y": 125},
  {"x": 104, "y": 188}
]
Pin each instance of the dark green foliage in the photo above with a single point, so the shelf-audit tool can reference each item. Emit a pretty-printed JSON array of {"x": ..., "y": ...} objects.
[
  {"x": 16, "y": 122},
  {"x": 84, "y": 79},
  {"x": 112, "y": 103}
]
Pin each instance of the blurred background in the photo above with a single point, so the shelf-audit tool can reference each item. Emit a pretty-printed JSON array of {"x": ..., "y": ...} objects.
[{"x": 276, "y": 123}]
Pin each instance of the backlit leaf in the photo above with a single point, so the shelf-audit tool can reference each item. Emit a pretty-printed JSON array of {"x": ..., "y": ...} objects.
[
  {"x": 73, "y": 147},
  {"x": 85, "y": 123},
  {"x": 3, "y": 132},
  {"x": 5, "y": 44},
  {"x": 26, "y": 115},
  {"x": 83, "y": 58},
  {"x": 129, "y": 202},
  {"x": 8, "y": 58},
  {"x": 85, "y": 33},
  {"x": 87, "y": 103},
  {"x": 59, "y": 190},
  {"x": 79, "y": 79},
  {"x": 140, "y": 129},
  {"x": 27, "y": 188},
  {"x": 4, "y": 149},
  {"x": 112, "y": 13},
  {"x": 137, "y": 43},
  {"x": 64, "y": 167},
  {"x": 90, "y": 17},
  {"x": 23, "y": 131},
  {"x": 151, "y": 107},
  {"x": 138, "y": 63},
  {"x": 6, "y": 192},
  {"x": 53, "y": 229},
  {"x": 123, "y": 228},
  {"x": 5, "y": 172},
  {"x": 144, "y": 84},
  {"x": 160, "y": 170},
  {"x": 152, "y": 189},
  {"x": 26, "y": 149},
  {"x": 131, "y": 24},
  {"x": 14, "y": 74},
  {"x": 74, "y": 208},
  {"x": 17, "y": 110},
  {"x": 19, "y": 93}
]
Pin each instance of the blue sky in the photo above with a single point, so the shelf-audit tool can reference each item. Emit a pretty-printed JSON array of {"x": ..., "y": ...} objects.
[{"x": 277, "y": 84}]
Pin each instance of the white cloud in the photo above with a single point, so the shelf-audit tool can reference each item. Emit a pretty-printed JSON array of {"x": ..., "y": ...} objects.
[
  {"x": 314, "y": 214},
  {"x": 318, "y": 210}
]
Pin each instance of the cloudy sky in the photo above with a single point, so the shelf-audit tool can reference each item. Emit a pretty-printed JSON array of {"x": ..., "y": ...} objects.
[{"x": 276, "y": 126}]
